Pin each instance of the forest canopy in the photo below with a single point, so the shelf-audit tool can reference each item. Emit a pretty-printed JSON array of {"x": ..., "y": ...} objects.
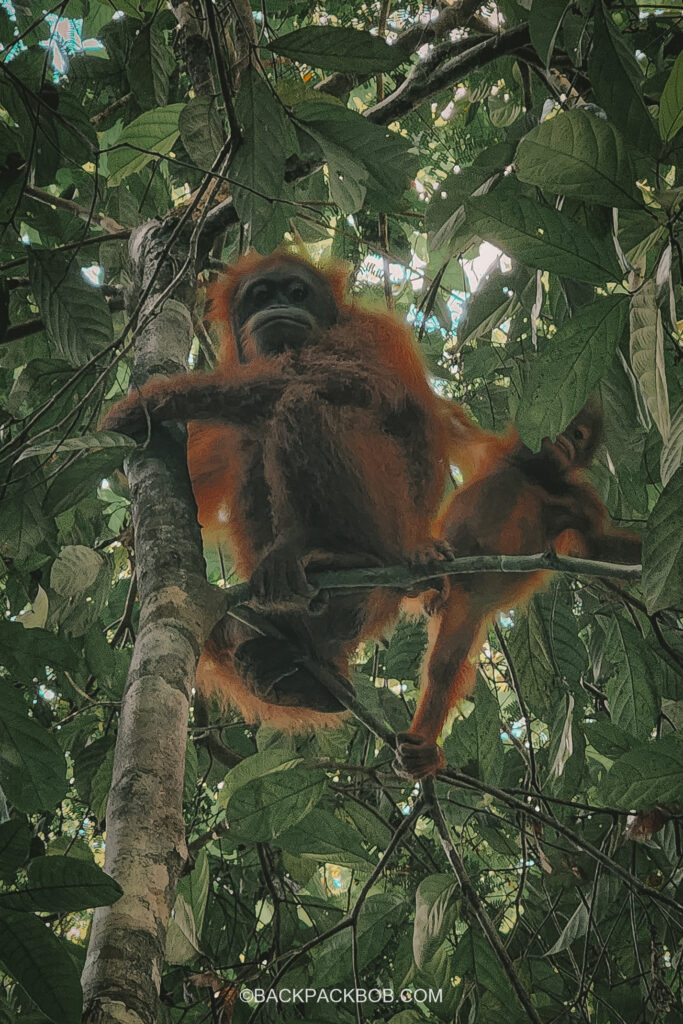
[{"x": 505, "y": 177}]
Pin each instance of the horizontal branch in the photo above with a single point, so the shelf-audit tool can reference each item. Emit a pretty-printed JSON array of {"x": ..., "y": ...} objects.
[
  {"x": 441, "y": 70},
  {"x": 451, "y": 17},
  {"x": 400, "y": 577}
]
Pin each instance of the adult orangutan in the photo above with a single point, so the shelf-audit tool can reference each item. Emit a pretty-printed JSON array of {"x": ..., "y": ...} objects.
[{"x": 322, "y": 445}]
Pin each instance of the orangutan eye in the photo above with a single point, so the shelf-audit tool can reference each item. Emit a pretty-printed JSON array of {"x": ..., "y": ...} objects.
[{"x": 259, "y": 295}]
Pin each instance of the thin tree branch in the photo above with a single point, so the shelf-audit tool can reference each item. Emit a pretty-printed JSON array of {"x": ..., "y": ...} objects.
[
  {"x": 471, "y": 898},
  {"x": 446, "y": 66},
  {"x": 82, "y": 212},
  {"x": 402, "y": 578}
]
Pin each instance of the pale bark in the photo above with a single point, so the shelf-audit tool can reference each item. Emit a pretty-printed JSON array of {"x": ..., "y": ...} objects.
[{"x": 145, "y": 836}]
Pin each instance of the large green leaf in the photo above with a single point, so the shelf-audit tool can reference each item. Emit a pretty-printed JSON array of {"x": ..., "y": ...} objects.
[
  {"x": 14, "y": 840},
  {"x": 617, "y": 80},
  {"x": 76, "y": 315},
  {"x": 672, "y": 450},
  {"x": 386, "y": 154},
  {"x": 545, "y": 22},
  {"x": 268, "y": 806},
  {"x": 41, "y": 964},
  {"x": 631, "y": 689},
  {"x": 649, "y": 774},
  {"x": 435, "y": 913},
  {"x": 148, "y": 137},
  {"x": 579, "y": 154},
  {"x": 153, "y": 62},
  {"x": 487, "y": 307},
  {"x": 75, "y": 569},
  {"x": 663, "y": 549},
  {"x": 540, "y": 237},
  {"x": 347, "y": 178},
  {"x": 258, "y": 167},
  {"x": 321, "y": 836},
  {"x": 201, "y": 130},
  {"x": 339, "y": 49},
  {"x": 475, "y": 959},
  {"x": 568, "y": 368},
  {"x": 59, "y": 884},
  {"x": 647, "y": 353},
  {"x": 671, "y": 102},
  {"x": 81, "y": 477},
  {"x": 32, "y": 767}
]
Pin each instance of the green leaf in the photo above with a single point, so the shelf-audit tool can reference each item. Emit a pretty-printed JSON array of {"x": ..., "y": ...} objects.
[
  {"x": 322, "y": 836},
  {"x": 579, "y": 154},
  {"x": 266, "y": 807},
  {"x": 436, "y": 909},
  {"x": 649, "y": 774},
  {"x": 544, "y": 24},
  {"x": 98, "y": 440},
  {"x": 14, "y": 840},
  {"x": 76, "y": 315},
  {"x": 540, "y": 237},
  {"x": 504, "y": 108},
  {"x": 39, "y": 961},
  {"x": 569, "y": 367},
  {"x": 75, "y": 569},
  {"x": 195, "y": 888},
  {"x": 60, "y": 884},
  {"x": 474, "y": 959},
  {"x": 385, "y": 154},
  {"x": 486, "y": 719},
  {"x": 347, "y": 178},
  {"x": 607, "y": 738},
  {"x": 258, "y": 167},
  {"x": 339, "y": 49},
  {"x": 663, "y": 549},
  {"x": 87, "y": 764},
  {"x": 617, "y": 80},
  {"x": 530, "y": 648},
  {"x": 445, "y": 215},
  {"x": 201, "y": 130},
  {"x": 631, "y": 689},
  {"x": 151, "y": 61},
  {"x": 258, "y": 766},
  {"x": 671, "y": 102},
  {"x": 647, "y": 353},
  {"x": 25, "y": 653},
  {"x": 182, "y": 942},
  {"x": 672, "y": 450},
  {"x": 32, "y": 766},
  {"x": 22, "y": 526},
  {"x": 574, "y": 929},
  {"x": 81, "y": 477},
  {"x": 487, "y": 307},
  {"x": 81, "y": 581},
  {"x": 155, "y": 131}
]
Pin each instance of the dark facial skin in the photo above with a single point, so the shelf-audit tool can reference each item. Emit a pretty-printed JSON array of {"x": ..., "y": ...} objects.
[
  {"x": 576, "y": 446},
  {"x": 279, "y": 308}
]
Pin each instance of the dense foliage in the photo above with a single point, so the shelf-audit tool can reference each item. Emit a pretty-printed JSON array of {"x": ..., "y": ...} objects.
[{"x": 552, "y": 130}]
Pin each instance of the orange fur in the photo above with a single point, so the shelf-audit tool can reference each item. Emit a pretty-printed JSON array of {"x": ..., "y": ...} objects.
[
  {"x": 514, "y": 503},
  {"x": 397, "y": 521}
]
